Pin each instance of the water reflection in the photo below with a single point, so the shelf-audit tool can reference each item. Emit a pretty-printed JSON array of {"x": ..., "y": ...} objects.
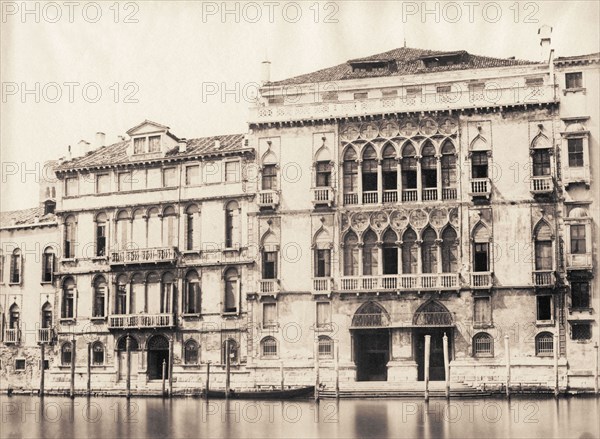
[{"x": 55, "y": 417}]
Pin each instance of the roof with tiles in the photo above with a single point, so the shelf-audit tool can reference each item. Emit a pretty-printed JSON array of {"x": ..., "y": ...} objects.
[
  {"x": 116, "y": 153},
  {"x": 404, "y": 61},
  {"x": 15, "y": 218}
]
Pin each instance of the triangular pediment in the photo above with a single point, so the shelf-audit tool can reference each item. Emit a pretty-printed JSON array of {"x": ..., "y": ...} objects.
[{"x": 147, "y": 127}]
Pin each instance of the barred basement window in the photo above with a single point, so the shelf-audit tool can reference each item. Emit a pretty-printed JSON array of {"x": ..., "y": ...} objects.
[
  {"x": 191, "y": 352},
  {"x": 269, "y": 347},
  {"x": 581, "y": 331},
  {"x": 19, "y": 364},
  {"x": 97, "y": 354},
  {"x": 325, "y": 347},
  {"x": 544, "y": 344},
  {"x": 483, "y": 345},
  {"x": 65, "y": 354}
]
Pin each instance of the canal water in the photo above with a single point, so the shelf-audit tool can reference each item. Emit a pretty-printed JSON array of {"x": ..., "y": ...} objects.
[{"x": 106, "y": 417}]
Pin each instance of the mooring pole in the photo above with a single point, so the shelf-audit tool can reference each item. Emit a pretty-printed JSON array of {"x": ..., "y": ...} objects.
[
  {"x": 446, "y": 364},
  {"x": 596, "y": 373},
  {"x": 170, "y": 370},
  {"x": 42, "y": 372},
  {"x": 282, "y": 376},
  {"x": 128, "y": 355},
  {"x": 227, "y": 368},
  {"x": 164, "y": 375},
  {"x": 317, "y": 370},
  {"x": 73, "y": 359},
  {"x": 337, "y": 370},
  {"x": 89, "y": 369},
  {"x": 555, "y": 349},
  {"x": 507, "y": 354},
  {"x": 426, "y": 371},
  {"x": 207, "y": 378}
]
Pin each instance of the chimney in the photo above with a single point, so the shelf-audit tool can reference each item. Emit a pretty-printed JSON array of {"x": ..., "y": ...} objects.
[
  {"x": 100, "y": 139},
  {"x": 545, "y": 32},
  {"x": 121, "y": 138},
  {"x": 265, "y": 72},
  {"x": 83, "y": 148},
  {"x": 217, "y": 144},
  {"x": 182, "y": 145}
]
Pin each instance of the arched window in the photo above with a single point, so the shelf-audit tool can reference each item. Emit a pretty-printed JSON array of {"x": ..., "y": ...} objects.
[
  {"x": 154, "y": 232},
  {"x": 68, "y": 298},
  {"x": 14, "y": 318},
  {"x": 410, "y": 252},
  {"x": 269, "y": 177},
  {"x": 390, "y": 252},
  {"x": 351, "y": 254},
  {"x": 121, "y": 295},
  {"x": 429, "y": 251},
  {"x": 543, "y": 248},
  {"x": 190, "y": 352},
  {"x": 191, "y": 298},
  {"x": 481, "y": 248},
  {"x": 389, "y": 168},
  {"x": 541, "y": 156},
  {"x": 16, "y": 266},
  {"x": 325, "y": 347},
  {"x": 322, "y": 254},
  {"x": 48, "y": 265},
  {"x": 97, "y": 354},
  {"x": 323, "y": 168},
  {"x": 66, "y": 354},
  {"x": 231, "y": 290},
  {"x": 449, "y": 251},
  {"x": 270, "y": 251},
  {"x": 167, "y": 292},
  {"x": 101, "y": 234},
  {"x": 233, "y": 351},
  {"x": 544, "y": 344},
  {"x": 138, "y": 229},
  {"x": 191, "y": 226},
  {"x": 268, "y": 347},
  {"x": 70, "y": 235},
  {"x": 169, "y": 227},
  {"x": 369, "y": 175},
  {"x": 122, "y": 343},
  {"x": 429, "y": 175},
  {"x": 122, "y": 230},
  {"x": 350, "y": 168},
  {"x": 483, "y": 345},
  {"x": 370, "y": 254},
  {"x": 448, "y": 171},
  {"x": 99, "y": 307},
  {"x": 232, "y": 224},
  {"x": 47, "y": 316},
  {"x": 409, "y": 172}
]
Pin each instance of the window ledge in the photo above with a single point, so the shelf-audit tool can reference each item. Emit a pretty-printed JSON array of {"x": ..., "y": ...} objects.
[
  {"x": 191, "y": 316},
  {"x": 46, "y": 282},
  {"x": 230, "y": 313},
  {"x": 544, "y": 323},
  {"x": 67, "y": 320},
  {"x": 191, "y": 252},
  {"x": 190, "y": 366},
  {"x": 484, "y": 355},
  {"x": 483, "y": 325},
  {"x": 545, "y": 355},
  {"x": 14, "y": 283},
  {"x": 269, "y": 357},
  {"x": 574, "y": 90},
  {"x": 98, "y": 319},
  {"x": 100, "y": 258},
  {"x": 586, "y": 341},
  {"x": 63, "y": 260},
  {"x": 270, "y": 328},
  {"x": 588, "y": 310}
]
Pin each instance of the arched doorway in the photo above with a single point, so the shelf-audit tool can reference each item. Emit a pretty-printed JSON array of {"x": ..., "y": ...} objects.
[
  {"x": 371, "y": 342},
  {"x": 134, "y": 349},
  {"x": 432, "y": 318},
  {"x": 158, "y": 352}
]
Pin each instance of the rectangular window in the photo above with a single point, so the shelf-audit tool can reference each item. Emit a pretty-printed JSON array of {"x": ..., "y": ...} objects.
[
  {"x": 323, "y": 314},
  {"x": 541, "y": 163},
  {"x": 48, "y": 266},
  {"x": 482, "y": 311},
  {"x": 230, "y": 295},
  {"x": 543, "y": 255},
  {"x": 534, "y": 82},
  {"x": 544, "y": 308},
  {"x": 1, "y": 268},
  {"x": 479, "y": 165},
  {"x": 139, "y": 145},
  {"x": 270, "y": 265},
  {"x": 581, "y": 331},
  {"x": 389, "y": 93},
  {"x": 574, "y": 80},
  {"x": 361, "y": 95},
  {"x": 578, "y": 246},
  {"x": 330, "y": 96},
  {"x": 269, "y": 178},
  {"x": 102, "y": 183},
  {"x": 580, "y": 295},
  {"x": 71, "y": 187},
  {"x": 323, "y": 263},
  {"x": 192, "y": 175},
  {"x": 443, "y": 89},
  {"x": 413, "y": 92},
  {"x": 575, "y": 147},
  {"x": 169, "y": 177},
  {"x": 154, "y": 144},
  {"x": 20, "y": 364},
  {"x": 323, "y": 174},
  {"x": 124, "y": 181},
  {"x": 101, "y": 239},
  {"x": 232, "y": 172},
  {"x": 269, "y": 315},
  {"x": 350, "y": 177},
  {"x": 68, "y": 303},
  {"x": 480, "y": 257}
]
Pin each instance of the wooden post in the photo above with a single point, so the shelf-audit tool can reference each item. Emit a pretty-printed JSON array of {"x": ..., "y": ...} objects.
[
  {"x": 596, "y": 373},
  {"x": 426, "y": 371},
  {"x": 337, "y": 370},
  {"x": 227, "y": 368},
  {"x": 73, "y": 359},
  {"x": 446, "y": 364},
  {"x": 128, "y": 359},
  {"x": 555, "y": 349},
  {"x": 164, "y": 376},
  {"x": 42, "y": 371},
  {"x": 89, "y": 369},
  {"x": 282, "y": 376},
  {"x": 317, "y": 370},
  {"x": 207, "y": 378},
  {"x": 170, "y": 371},
  {"x": 507, "y": 354}
]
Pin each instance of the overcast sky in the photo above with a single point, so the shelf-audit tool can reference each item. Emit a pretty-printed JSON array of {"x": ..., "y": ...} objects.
[{"x": 152, "y": 60}]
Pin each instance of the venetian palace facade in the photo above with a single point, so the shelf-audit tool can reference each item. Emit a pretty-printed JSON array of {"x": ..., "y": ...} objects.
[{"x": 370, "y": 204}]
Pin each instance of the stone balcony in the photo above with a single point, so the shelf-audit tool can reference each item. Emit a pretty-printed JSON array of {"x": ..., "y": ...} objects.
[
  {"x": 544, "y": 278},
  {"x": 268, "y": 199},
  {"x": 322, "y": 196},
  {"x": 143, "y": 255},
  {"x": 481, "y": 279},
  {"x": 323, "y": 285},
  {"x": 397, "y": 282},
  {"x": 582, "y": 261},
  {"x": 45, "y": 335},
  {"x": 542, "y": 185},
  {"x": 480, "y": 187},
  {"x": 140, "y": 321},
  {"x": 12, "y": 335},
  {"x": 268, "y": 287}
]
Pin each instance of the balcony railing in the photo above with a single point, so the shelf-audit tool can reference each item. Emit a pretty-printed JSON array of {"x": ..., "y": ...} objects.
[
  {"x": 350, "y": 199},
  {"x": 543, "y": 278},
  {"x": 390, "y": 196},
  {"x": 138, "y": 321},
  {"x": 481, "y": 279},
  {"x": 542, "y": 185},
  {"x": 430, "y": 194},
  {"x": 409, "y": 195},
  {"x": 268, "y": 286},
  {"x": 143, "y": 255},
  {"x": 268, "y": 199},
  {"x": 581, "y": 261},
  {"x": 426, "y": 319},
  {"x": 45, "y": 335},
  {"x": 322, "y": 284},
  {"x": 449, "y": 193},
  {"x": 322, "y": 196},
  {"x": 12, "y": 335},
  {"x": 370, "y": 197},
  {"x": 480, "y": 187},
  {"x": 393, "y": 282}
]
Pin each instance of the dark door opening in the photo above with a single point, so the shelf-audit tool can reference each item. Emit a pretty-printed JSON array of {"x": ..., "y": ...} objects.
[
  {"x": 436, "y": 358},
  {"x": 371, "y": 354},
  {"x": 155, "y": 363}
]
